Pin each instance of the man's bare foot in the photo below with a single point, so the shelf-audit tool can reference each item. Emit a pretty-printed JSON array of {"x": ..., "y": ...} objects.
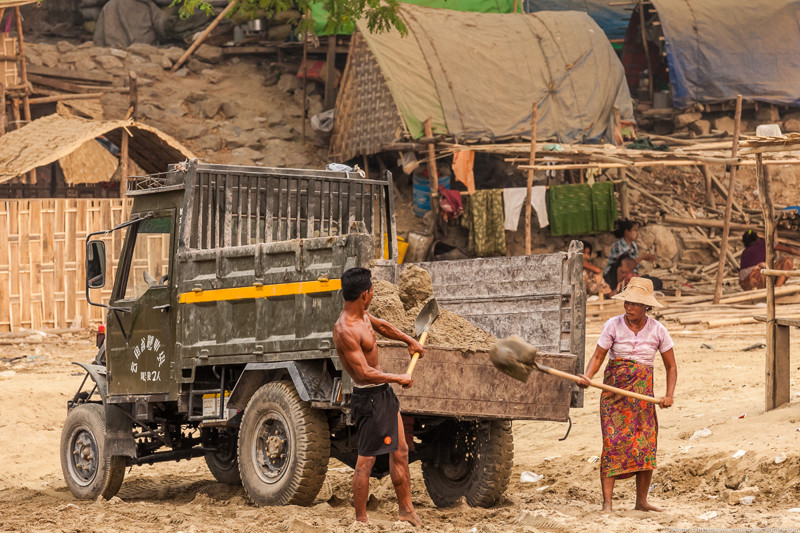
[
  {"x": 362, "y": 519},
  {"x": 644, "y": 506},
  {"x": 410, "y": 517},
  {"x": 607, "y": 507}
]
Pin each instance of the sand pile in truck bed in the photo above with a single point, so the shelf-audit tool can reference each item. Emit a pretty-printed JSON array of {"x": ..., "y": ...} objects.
[{"x": 400, "y": 304}]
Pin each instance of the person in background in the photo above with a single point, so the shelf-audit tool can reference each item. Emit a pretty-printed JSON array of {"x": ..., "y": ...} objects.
[
  {"x": 630, "y": 426},
  {"x": 754, "y": 258},
  {"x": 627, "y": 231},
  {"x": 624, "y": 269},
  {"x": 593, "y": 274}
]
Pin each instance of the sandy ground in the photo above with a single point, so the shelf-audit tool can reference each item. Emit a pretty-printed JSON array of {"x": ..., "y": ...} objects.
[{"x": 720, "y": 389}]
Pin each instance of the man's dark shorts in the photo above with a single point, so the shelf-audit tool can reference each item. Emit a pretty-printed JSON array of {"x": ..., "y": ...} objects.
[{"x": 375, "y": 414}]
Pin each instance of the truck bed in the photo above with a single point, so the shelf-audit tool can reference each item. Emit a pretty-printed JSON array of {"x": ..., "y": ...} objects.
[{"x": 464, "y": 384}]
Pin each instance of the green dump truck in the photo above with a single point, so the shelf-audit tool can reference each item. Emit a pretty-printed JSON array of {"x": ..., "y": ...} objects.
[{"x": 219, "y": 345}]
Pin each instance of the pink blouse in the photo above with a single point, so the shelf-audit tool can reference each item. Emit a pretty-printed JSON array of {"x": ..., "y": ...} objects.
[{"x": 622, "y": 343}]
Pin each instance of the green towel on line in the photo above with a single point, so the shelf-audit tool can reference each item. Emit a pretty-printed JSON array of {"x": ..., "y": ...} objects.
[
  {"x": 569, "y": 208},
  {"x": 581, "y": 208},
  {"x": 604, "y": 206}
]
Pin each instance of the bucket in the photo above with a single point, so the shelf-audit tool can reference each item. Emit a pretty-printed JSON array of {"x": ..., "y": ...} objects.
[
  {"x": 422, "y": 192},
  {"x": 419, "y": 244},
  {"x": 402, "y": 246}
]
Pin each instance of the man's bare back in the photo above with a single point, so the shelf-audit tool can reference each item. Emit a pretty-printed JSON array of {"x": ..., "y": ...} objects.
[{"x": 357, "y": 347}]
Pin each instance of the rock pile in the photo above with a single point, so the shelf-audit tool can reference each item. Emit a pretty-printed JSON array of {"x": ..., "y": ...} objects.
[{"x": 234, "y": 111}]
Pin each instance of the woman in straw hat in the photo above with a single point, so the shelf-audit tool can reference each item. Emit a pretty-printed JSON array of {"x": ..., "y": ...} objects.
[{"x": 630, "y": 427}]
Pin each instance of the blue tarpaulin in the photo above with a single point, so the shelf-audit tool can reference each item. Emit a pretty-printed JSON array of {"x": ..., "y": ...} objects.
[
  {"x": 717, "y": 49},
  {"x": 612, "y": 19}
]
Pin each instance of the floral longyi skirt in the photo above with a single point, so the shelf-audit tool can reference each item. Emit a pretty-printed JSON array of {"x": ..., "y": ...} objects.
[{"x": 630, "y": 426}]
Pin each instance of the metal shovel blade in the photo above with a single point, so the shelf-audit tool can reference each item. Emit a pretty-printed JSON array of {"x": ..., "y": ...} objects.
[
  {"x": 514, "y": 356},
  {"x": 426, "y": 317}
]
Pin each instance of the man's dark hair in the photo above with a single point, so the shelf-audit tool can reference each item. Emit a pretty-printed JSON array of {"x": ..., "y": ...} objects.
[
  {"x": 749, "y": 237},
  {"x": 354, "y": 282},
  {"x": 587, "y": 244}
]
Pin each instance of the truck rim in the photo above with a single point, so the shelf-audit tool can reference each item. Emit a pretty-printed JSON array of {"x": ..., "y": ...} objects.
[
  {"x": 271, "y": 450},
  {"x": 84, "y": 458}
]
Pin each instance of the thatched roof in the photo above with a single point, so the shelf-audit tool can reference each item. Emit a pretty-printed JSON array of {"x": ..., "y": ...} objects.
[
  {"x": 54, "y": 137},
  {"x": 15, "y": 3}
]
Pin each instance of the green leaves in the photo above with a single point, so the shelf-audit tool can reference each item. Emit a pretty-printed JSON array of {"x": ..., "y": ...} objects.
[{"x": 381, "y": 15}]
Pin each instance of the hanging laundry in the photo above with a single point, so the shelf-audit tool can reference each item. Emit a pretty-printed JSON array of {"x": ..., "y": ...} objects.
[
  {"x": 483, "y": 216},
  {"x": 450, "y": 202},
  {"x": 604, "y": 206},
  {"x": 514, "y": 200},
  {"x": 570, "y": 209},
  {"x": 463, "y": 161},
  {"x": 539, "y": 204}
]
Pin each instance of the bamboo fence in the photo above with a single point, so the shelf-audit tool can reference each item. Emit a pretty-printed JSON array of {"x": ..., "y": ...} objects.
[{"x": 42, "y": 260}]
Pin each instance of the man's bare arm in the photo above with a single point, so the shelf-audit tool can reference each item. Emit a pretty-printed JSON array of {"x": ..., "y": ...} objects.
[
  {"x": 389, "y": 331},
  {"x": 350, "y": 350}
]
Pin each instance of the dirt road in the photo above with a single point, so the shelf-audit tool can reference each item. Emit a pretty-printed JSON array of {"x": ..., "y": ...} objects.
[{"x": 719, "y": 389}]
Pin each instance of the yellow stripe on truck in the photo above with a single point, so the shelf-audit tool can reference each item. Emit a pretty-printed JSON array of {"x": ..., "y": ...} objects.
[{"x": 260, "y": 291}]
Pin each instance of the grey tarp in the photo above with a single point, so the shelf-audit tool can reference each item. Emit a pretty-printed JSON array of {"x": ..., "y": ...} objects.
[
  {"x": 717, "y": 49},
  {"x": 477, "y": 75}
]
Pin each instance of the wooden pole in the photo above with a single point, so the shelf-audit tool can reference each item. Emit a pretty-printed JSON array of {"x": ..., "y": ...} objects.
[
  {"x": 624, "y": 197},
  {"x": 62, "y": 97},
  {"x": 646, "y": 49},
  {"x": 709, "y": 200},
  {"x": 123, "y": 165},
  {"x": 528, "y": 194},
  {"x": 203, "y": 36},
  {"x": 15, "y": 113},
  {"x": 433, "y": 175},
  {"x": 23, "y": 66},
  {"x": 723, "y": 247},
  {"x": 330, "y": 72},
  {"x": 516, "y": 5},
  {"x": 765, "y": 198},
  {"x": 2, "y": 109},
  {"x": 305, "y": 74},
  {"x": 133, "y": 94}
]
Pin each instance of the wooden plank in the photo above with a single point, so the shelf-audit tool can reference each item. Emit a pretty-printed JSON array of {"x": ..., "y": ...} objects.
[
  {"x": 60, "y": 248},
  {"x": 35, "y": 243},
  {"x": 48, "y": 261},
  {"x": 25, "y": 264},
  {"x": 13, "y": 260},
  {"x": 782, "y": 375},
  {"x": 78, "y": 75},
  {"x": 5, "y": 282}
]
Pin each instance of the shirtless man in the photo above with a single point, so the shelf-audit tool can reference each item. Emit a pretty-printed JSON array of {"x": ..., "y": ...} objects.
[{"x": 376, "y": 409}]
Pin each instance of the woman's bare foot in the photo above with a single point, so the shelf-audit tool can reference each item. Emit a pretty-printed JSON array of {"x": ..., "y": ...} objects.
[
  {"x": 607, "y": 507},
  {"x": 644, "y": 506},
  {"x": 410, "y": 517}
]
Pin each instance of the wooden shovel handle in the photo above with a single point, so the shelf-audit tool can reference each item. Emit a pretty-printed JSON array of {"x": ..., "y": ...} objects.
[
  {"x": 415, "y": 357},
  {"x": 609, "y": 388}
]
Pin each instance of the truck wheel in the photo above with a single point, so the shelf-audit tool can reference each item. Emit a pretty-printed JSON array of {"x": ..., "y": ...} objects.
[
  {"x": 87, "y": 472},
  {"x": 224, "y": 462},
  {"x": 284, "y": 447},
  {"x": 479, "y": 466}
]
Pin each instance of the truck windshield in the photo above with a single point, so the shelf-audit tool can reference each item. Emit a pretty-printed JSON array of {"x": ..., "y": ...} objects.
[{"x": 149, "y": 265}]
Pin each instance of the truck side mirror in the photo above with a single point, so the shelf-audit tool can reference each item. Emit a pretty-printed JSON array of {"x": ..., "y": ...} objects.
[{"x": 95, "y": 264}]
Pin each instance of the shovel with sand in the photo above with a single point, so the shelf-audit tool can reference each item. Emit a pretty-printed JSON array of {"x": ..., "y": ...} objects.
[
  {"x": 423, "y": 323},
  {"x": 517, "y": 358}
]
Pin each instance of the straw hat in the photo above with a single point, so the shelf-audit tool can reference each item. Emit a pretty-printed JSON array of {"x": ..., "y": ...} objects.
[{"x": 639, "y": 290}]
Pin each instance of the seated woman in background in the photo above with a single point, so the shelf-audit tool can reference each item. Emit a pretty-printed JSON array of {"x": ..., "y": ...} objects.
[
  {"x": 754, "y": 258},
  {"x": 624, "y": 268},
  {"x": 593, "y": 274},
  {"x": 627, "y": 231}
]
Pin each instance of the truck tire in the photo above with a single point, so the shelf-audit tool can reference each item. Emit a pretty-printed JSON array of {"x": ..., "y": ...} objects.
[
  {"x": 87, "y": 472},
  {"x": 284, "y": 447},
  {"x": 224, "y": 462},
  {"x": 481, "y": 468}
]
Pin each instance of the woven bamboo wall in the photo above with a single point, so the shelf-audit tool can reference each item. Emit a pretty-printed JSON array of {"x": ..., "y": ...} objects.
[
  {"x": 366, "y": 114},
  {"x": 42, "y": 254}
]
